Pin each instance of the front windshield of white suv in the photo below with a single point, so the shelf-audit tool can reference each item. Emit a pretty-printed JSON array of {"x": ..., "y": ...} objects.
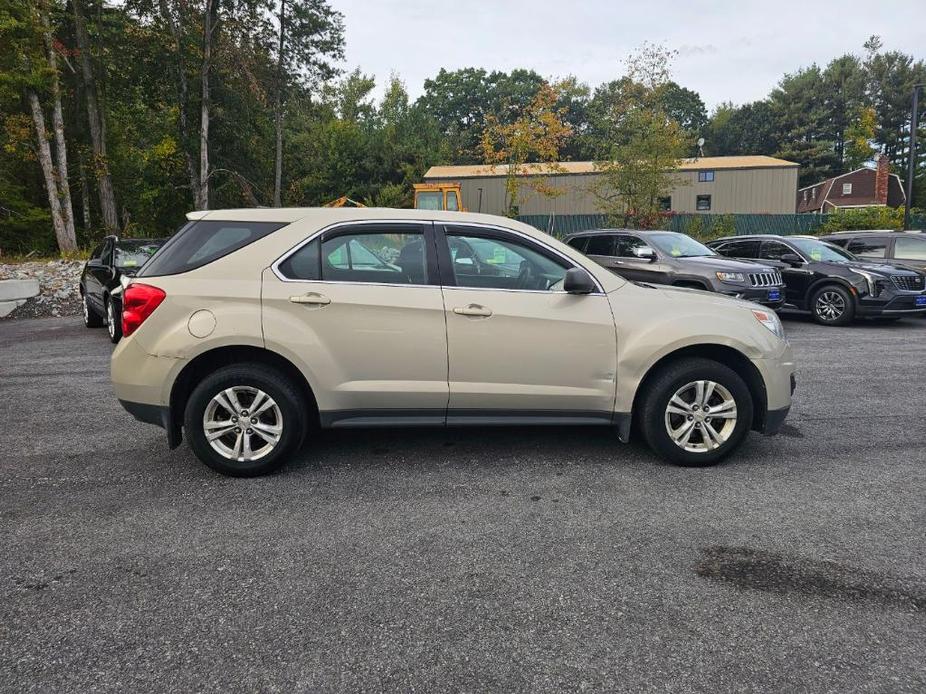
[{"x": 678, "y": 245}]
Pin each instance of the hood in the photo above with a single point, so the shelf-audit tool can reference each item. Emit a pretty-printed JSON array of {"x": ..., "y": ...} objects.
[
  {"x": 721, "y": 264},
  {"x": 722, "y": 301},
  {"x": 876, "y": 268}
]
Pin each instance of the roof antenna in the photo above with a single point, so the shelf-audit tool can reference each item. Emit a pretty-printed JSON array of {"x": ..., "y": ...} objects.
[{"x": 701, "y": 147}]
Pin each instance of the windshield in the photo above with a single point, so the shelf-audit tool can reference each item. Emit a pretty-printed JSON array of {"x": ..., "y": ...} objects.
[
  {"x": 822, "y": 252},
  {"x": 134, "y": 254},
  {"x": 678, "y": 245},
  {"x": 430, "y": 201}
]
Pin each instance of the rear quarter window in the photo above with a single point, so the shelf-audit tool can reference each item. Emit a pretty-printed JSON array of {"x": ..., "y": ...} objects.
[{"x": 199, "y": 243}]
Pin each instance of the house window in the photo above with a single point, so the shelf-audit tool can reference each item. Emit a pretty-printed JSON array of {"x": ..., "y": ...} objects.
[
  {"x": 847, "y": 189},
  {"x": 805, "y": 196},
  {"x": 813, "y": 193},
  {"x": 705, "y": 177},
  {"x": 703, "y": 203},
  {"x": 665, "y": 204}
]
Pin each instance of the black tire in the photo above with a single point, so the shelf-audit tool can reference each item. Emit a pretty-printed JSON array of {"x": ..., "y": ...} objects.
[
  {"x": 663, "y": 386},
  {"x": 292, "y": 408},
  {"x": 113, "y": 321},
  {"x": 91, "y": 318},
  {"x": 832, "y": 297}
]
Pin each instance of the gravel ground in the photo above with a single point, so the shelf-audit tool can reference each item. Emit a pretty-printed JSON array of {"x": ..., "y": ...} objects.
[
  {"x": 59, "y": 293},
  {"x": 512, "y": 559}
]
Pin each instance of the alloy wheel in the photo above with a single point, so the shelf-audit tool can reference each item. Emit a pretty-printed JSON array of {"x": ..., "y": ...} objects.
[
  {"x": 830, "y": 306},
  {"x": 701, "y": 416},
  {"x": 242, "y": 423}
]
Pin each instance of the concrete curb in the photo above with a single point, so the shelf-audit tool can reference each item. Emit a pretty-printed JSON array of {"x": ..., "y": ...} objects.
[{"x": 14, "y": 290}]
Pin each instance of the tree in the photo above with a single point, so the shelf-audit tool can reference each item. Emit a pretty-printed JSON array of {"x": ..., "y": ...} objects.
[
  {"x": 310, "y": 37},
  {"x": 30, "y": 72},
  {"x": 859, "y": 136},
  {"x": 538, "y": 135},
  {"x": 684, "y": 106},
  {"x": 96, "y": 118},
  {"x": 648, "y": 144}
]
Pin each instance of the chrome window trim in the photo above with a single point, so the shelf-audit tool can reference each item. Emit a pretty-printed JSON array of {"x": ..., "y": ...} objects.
[{"x": 275, "y": 266}]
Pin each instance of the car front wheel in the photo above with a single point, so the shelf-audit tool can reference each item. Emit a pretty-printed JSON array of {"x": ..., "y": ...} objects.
[
  {"x": 245, "y": 420},
  {"x": 832, "y": 305},
  {"x": 696, "y": 412}
]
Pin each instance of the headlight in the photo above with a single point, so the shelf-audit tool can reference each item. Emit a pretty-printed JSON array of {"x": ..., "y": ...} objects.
[
  {"x": 870, "y": 280},
  {"x": 771, "y": 321},
  {"x": 730, "y": 276}
]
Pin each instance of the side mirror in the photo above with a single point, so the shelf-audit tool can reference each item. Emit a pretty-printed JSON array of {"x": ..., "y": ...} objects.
[
  {"x": 578, "y": 281},
  {"x": 792, "y": 259},
  {"x": 645, "y": 253}
]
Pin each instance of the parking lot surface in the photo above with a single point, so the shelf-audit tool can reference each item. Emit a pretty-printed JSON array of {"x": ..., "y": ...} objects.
[{"x": 466, "y": 559}]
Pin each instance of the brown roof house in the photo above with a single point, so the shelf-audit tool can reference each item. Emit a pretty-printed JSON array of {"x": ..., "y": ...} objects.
[{"x": 860, "y": 188}]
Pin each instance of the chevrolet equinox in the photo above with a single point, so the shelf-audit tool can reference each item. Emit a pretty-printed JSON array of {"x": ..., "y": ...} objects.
[{"x": 249, "y": 329}]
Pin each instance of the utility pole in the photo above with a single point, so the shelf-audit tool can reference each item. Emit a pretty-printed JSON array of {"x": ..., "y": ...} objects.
[{"x": 911, "y": 160}]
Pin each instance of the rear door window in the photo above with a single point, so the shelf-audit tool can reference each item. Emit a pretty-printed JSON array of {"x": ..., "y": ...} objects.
[
  {"x": 868, "y": 248},
  {"x": 740, "y": 249},
  {"x": 910, "y": 249},
  {"x": 200, "y": 243},
  {"x": 600, "y": 245}
]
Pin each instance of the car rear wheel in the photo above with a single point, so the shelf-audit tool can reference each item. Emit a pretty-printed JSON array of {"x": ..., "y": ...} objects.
[
  {"x": 696, "y": 412},
  {"x": 245, "y": 420},
  {"x": 91, "y": 318},
  {"x": 832, "y": 305},
  {"x": 113, "y": 322}
]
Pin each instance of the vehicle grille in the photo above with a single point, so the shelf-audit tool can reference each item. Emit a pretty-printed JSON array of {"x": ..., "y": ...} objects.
[
  {"x": 765, "y": 279},
  {"x": 909, "y": 283}
]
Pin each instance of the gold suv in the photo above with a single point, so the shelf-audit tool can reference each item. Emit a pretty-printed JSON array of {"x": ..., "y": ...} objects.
[{"x": 251, "y": 328}]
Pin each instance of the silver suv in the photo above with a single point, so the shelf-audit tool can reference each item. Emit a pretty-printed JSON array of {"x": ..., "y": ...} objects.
[
  {"x": 250, "y": 328},
  {"x": 668, "y": 257}
]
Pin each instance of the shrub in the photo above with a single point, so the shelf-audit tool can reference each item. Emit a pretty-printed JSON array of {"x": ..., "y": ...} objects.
[{"x": 862, "y": 218}]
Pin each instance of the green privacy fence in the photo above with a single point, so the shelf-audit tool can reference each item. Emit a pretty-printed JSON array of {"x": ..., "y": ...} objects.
[{"x": 784, "y": 224}]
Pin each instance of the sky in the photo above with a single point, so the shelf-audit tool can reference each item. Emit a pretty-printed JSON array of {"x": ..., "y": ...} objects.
[{"x": 727, "y": 50}]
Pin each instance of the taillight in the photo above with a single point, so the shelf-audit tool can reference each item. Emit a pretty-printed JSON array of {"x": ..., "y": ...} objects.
[{"x": 139, "y": 302}]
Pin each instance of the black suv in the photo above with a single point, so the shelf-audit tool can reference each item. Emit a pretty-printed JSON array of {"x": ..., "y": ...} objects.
[
  {"x": 897, "y": 247},
  {"x": 831, "y": 283},
  {"x": 102, "y": 280},
  {"x": 667, "y": 257}
]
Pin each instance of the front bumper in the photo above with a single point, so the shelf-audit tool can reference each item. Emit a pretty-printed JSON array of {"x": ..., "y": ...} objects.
[
  {"x": 777, "y": 374},
  {"x": 758, "y": 295},
  {"x": 893, "y": 303}
]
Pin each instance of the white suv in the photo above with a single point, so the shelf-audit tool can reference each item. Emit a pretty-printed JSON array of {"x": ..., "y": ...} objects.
[{"x": 250, "y": 328}]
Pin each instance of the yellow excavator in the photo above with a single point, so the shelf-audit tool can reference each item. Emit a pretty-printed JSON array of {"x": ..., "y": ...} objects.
[
  {"x": 343, "y": 201},
  {"x": 438, "y": 196},
  {"x": 428, "y": 196}
]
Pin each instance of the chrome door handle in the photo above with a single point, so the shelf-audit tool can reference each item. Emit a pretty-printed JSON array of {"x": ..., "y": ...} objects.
[
  {"x": 312, "y": 298},
  {"x": 473, "y": 310}
]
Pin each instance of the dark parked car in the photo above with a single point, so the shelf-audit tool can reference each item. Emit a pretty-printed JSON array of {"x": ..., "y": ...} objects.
[
  {"x": 896, "y": 247},
  {"x": 112, "y": 262},
  {"x": 834, "y": 285},
  {"x": 667, "y": 257}
]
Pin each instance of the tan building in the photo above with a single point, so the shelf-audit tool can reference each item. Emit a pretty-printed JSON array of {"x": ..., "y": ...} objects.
[{"x": 712, "y": 185}]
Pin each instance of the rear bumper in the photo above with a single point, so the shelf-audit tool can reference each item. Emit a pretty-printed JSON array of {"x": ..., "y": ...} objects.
[{"x": 157, "y": 415}]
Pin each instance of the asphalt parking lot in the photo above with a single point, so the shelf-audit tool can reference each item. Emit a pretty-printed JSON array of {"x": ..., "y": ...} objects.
[{"x": 490, "y": 560}]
